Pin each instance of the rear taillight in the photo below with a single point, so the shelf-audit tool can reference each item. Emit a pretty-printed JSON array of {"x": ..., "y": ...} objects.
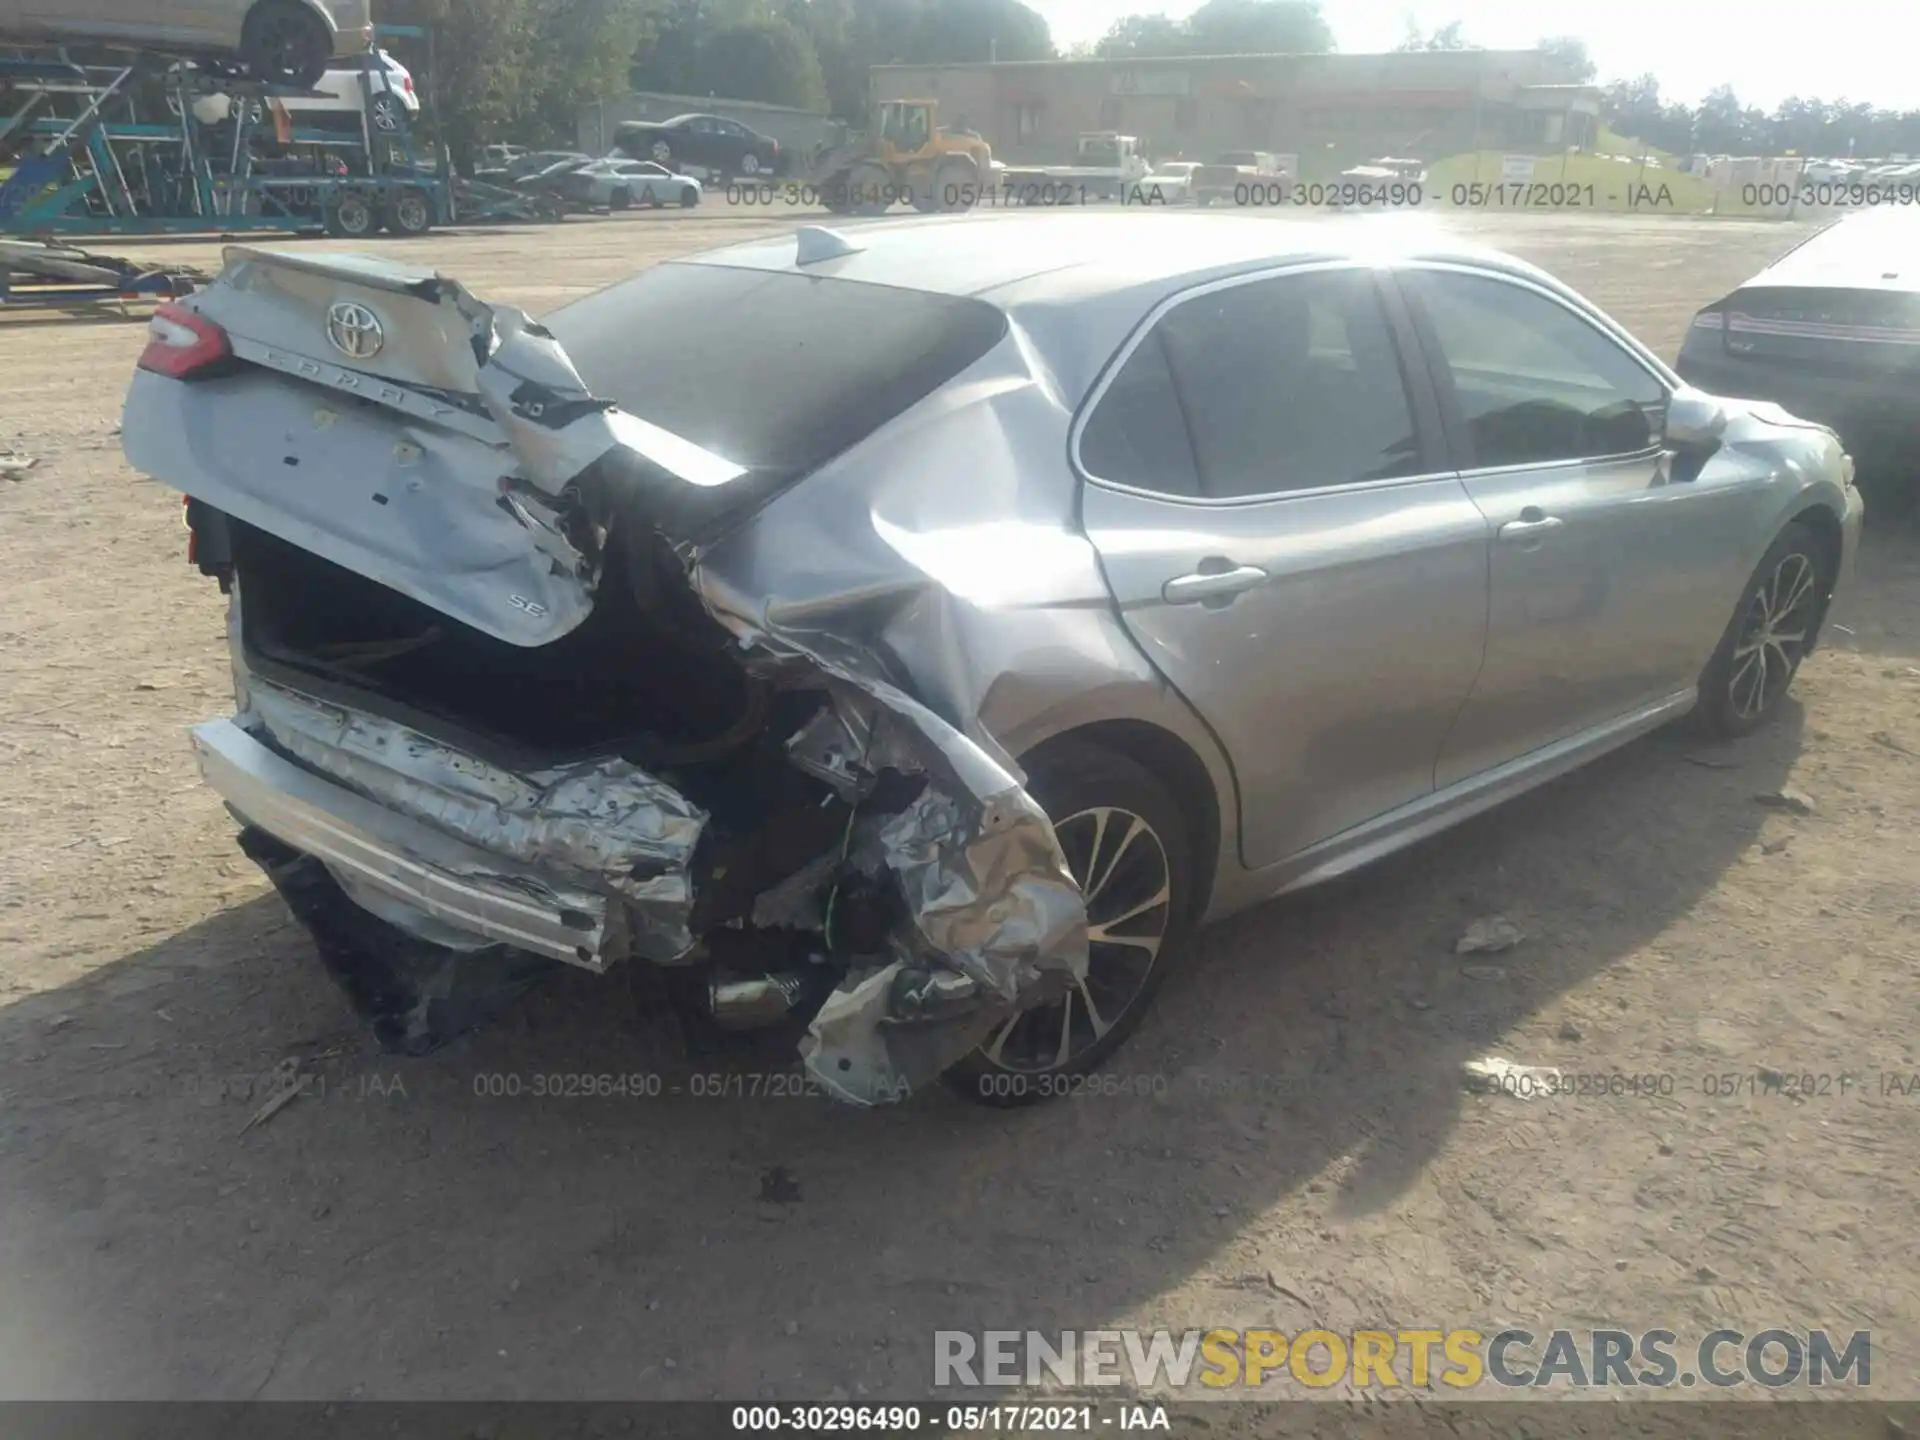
[{"x": 180, "y": 344}]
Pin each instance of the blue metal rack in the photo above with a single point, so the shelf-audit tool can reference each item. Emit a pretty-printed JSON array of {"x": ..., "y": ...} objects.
[{"x": 121, "y": 149}]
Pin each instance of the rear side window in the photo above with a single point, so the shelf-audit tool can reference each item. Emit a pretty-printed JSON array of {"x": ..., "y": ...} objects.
[
  {"x": 775, "y": 371},
  {"x": 1138, "y": 435},
  {"x": 1284, "y": 384}
]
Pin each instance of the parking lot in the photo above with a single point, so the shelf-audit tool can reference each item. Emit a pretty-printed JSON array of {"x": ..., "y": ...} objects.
[{"x": 1295, "y": 1144}]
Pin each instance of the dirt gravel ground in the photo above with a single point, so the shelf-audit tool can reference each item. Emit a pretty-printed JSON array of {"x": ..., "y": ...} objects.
[{"x": 1305, "y": 1151}]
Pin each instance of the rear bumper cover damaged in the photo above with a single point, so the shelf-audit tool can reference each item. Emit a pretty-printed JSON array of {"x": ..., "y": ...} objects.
[{"x": 594, "y": 863}]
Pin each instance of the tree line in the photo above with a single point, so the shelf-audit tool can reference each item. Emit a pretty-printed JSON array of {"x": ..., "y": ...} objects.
[{"x": 524, "y": 68}]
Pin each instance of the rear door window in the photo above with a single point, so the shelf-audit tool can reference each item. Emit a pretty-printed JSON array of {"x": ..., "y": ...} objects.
[{"x": 1283, "y": 384}]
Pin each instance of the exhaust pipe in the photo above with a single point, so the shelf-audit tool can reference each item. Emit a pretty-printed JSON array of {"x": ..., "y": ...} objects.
[{"x": 752, "y": 1002}]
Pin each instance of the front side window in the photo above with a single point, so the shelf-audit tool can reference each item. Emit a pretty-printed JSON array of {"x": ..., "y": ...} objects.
[
  {"x": 1535, "y": 383},
  {"x": 1284, "y": 384}
]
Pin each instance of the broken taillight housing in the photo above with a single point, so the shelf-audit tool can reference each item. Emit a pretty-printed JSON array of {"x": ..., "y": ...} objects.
[{"x": 181, "y": 345}]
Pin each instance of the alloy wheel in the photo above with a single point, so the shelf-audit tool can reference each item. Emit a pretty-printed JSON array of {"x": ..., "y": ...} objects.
[
  {"x": 1120, "y": 864},
  {"x": 1773, "y": 637}
]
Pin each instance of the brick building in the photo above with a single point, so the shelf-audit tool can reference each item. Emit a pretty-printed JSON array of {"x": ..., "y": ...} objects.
[{"x": 1330, "y": 110}]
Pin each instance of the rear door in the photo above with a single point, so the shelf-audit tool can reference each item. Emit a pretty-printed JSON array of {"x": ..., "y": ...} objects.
[
  {"x": 736, "y": 141},
  {"x": 1266, "y": 487},
  {"x": 1612, "y": 571},
  {"x": 701, "y": 143}
]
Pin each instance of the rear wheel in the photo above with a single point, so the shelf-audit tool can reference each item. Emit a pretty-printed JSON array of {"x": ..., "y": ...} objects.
[
  {"x": 411, "y": 213},
  {"x": 1126, "y": 842},
  {"x": 621, "y": 199},
  {"x": 662, "y": 153},
  {"x": 385, "y": 114},
  {"x": 352, "y": 215},
  {"x": 750, "y": 165},
  {"x": 1770, "y": 634},
  {"x": 870, "y": 190},
  {"x": 957, "y": 184},
  {"x": 285, "y": 43}
]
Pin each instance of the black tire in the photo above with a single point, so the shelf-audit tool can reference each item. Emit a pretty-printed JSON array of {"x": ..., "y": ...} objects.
[
  {"x": 411, "y": 213},
  {"x": 751, "y": 167},
  {"x": 689, "y": 197},
  {"x": 1773, "y": 628},
  {"x": 957, "y": 183},
  {"x": 871, "y": 190},
  {"x": 1076, "y": 783},
  {"x": 352, "y": 215},
  {"x": 661, "y": 153},
  {"x": 283, "y": 42},
  {"x": 621, "y": 199}
]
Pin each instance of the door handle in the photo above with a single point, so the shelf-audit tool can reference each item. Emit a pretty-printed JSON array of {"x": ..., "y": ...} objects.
[
  {"x": 1532, "y": 525},
  {"x": 1212, "y": 586}
]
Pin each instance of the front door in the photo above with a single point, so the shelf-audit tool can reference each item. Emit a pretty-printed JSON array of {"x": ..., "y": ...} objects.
[
  {"x": 1287, "y": 546},
  {"x": 1602, "y": 556}
]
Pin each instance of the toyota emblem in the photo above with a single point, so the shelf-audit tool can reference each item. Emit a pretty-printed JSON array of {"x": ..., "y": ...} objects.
[{"x": 354, "y": 330}]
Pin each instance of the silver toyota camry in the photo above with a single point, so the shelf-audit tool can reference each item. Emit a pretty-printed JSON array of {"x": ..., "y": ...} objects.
[{"x": 908, "y": 634}]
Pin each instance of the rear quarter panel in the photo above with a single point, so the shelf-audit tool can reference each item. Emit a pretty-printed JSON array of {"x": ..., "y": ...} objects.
[{"x": 948, "y": 545}]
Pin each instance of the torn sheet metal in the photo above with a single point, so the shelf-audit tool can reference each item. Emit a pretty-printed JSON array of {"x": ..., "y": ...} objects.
[
  {"x": 604, "y": 823},
  {"x": 997, "y": 925},
  {"x": 996, "y": 921}
]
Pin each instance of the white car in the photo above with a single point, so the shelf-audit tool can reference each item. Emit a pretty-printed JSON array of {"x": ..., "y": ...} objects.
[
  {"x": 389, "y": 89},
  {"x": 1170, "y": 183},
  {"x": 619, "y": 183}
]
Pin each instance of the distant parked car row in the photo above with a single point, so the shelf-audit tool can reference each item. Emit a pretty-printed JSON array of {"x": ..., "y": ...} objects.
[{"x": 608, "y": 182}]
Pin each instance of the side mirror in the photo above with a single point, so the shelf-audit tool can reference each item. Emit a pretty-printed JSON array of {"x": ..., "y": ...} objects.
[{"x": 1695, "y": 423}]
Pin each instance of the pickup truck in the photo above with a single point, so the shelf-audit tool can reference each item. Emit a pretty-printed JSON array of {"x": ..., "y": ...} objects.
[
  {"x": 1106, "y": 166},
  {"x": 1234, "y": 178}
]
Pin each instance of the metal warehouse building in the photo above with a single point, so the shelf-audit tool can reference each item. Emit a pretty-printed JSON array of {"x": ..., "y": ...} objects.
[{"x": 1330, "y": 110}]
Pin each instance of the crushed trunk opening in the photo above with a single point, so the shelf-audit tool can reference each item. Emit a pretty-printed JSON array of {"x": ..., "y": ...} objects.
[{"x": 493, "y": 690}]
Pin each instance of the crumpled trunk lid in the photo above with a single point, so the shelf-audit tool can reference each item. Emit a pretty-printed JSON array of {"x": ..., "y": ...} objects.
[{"x": 432, "y": 442}]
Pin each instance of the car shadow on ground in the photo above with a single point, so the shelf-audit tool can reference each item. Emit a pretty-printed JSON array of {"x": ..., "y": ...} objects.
[
  {"x": 561, "y": 1205},
  {"x": 463, "y": 1215}
]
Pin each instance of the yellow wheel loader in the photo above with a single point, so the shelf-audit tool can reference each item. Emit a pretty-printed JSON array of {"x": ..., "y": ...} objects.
[{"x": 904, "y": 158}]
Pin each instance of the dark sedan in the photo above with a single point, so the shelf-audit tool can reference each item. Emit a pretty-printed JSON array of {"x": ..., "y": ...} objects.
[
  {"x": 1830, "y": 332},
  {"x": 725, "y": 148}
]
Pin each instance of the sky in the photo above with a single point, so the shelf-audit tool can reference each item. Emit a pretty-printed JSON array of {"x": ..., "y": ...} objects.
[{"x": 1862, "y": 50}]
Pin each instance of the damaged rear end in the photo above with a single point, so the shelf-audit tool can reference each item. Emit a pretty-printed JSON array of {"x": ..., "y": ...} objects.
[{"x": 487, "y": 717}]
